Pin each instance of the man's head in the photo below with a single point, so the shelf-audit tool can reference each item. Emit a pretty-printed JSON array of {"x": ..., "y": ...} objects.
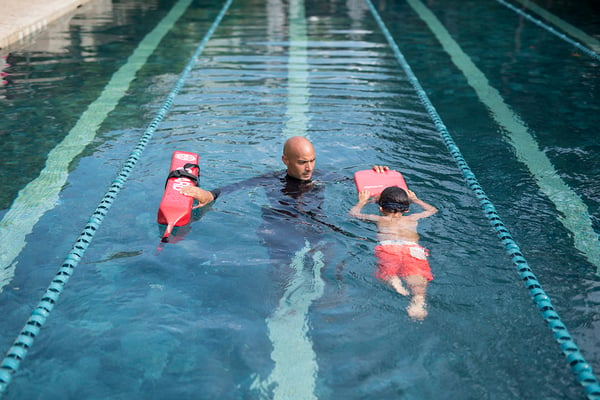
[
  {"x": 299, "y": 157},
  {"x": 393, "y": 199}
]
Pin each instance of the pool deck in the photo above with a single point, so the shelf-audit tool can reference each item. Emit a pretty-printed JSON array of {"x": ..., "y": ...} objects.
[{"x": 23, "y": 18}]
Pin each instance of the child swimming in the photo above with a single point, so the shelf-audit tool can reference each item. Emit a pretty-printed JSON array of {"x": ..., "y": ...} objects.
[{"x": 400, "y": 257}]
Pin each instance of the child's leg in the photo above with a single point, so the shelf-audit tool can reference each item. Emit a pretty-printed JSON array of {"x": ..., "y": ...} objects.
[
  {"x": 397, "y": 285},
  {"x": 387, "y": 270},
  {"x": 418, "y": 287}
]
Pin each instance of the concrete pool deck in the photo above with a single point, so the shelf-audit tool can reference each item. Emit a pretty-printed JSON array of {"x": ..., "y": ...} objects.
[{"x": 23, "y": 18}]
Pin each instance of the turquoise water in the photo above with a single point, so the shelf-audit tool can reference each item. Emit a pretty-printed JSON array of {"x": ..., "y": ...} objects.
[{"x": 204, "y": 317}]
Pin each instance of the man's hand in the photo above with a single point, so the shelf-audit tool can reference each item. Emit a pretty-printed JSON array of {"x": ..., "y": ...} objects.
[
  {"x": 203, "y": 197},
  {"x": 380, "y": 168}
]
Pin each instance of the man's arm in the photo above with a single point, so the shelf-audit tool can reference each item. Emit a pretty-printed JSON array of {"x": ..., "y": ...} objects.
[
  {"x": 205, "y": 197},
  {"x": 202, "y": 196}
]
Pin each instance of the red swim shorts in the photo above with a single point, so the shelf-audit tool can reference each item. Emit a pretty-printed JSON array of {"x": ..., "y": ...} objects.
[{"x": 402, "y": 260}]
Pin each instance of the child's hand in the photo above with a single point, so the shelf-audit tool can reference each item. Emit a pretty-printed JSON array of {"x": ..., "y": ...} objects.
[
  {"x": 411, "y": 196},
  {"x": 363, "y": 196}
]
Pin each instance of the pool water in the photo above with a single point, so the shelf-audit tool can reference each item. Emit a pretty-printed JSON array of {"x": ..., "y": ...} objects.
[{"x": 220, "y": 312}]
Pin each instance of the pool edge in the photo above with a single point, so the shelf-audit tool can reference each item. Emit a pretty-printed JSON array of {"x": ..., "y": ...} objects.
[{"x": 25, "y": 18}]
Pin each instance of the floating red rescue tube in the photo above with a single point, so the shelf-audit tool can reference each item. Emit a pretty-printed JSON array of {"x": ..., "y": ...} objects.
[{"x": 175, "y": 208}]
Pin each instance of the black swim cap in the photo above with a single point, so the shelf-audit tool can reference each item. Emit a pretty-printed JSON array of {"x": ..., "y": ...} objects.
[{"x": 394, "y": 199}]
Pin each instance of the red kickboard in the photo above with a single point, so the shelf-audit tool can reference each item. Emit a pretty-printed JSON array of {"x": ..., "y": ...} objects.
[
  {"x": 375, "y": 182},
  {"x": 175, "y": 208}
]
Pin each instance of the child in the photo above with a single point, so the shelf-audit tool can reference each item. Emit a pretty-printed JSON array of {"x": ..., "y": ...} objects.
[{"x": 399, "y": 254}]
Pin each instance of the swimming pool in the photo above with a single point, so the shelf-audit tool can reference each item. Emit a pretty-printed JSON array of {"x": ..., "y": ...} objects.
[{"x": 215, "y": 314}]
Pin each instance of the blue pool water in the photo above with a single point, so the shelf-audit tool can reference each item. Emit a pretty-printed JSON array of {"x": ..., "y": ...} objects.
[{"x": 220, "y": 312}]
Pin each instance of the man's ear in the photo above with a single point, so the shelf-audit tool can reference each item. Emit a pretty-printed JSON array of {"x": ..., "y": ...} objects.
[{"x": 285, "y": 160}]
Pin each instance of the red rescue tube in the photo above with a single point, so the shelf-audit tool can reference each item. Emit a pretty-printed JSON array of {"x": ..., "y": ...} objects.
[
  {"x": 375, "y": 182},
  {"x": 175, "y": 208}
]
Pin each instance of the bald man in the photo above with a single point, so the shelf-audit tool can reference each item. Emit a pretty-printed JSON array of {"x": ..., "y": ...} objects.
[
  {"x": 294, "y": 196},
  {"x": 298, "y": 156},
  {"x": 296, "y": 231}
]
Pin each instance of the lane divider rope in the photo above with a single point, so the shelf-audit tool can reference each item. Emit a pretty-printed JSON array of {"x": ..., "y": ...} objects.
[
  {"x": 25, "y": 339},
  {"x": 573, "y": 213},
  {"x": 579, "y": 366},
  {"x": 571, "y": 30},
  {"x": 42, "y": 193},
  {"x": 553, "y": 31}
]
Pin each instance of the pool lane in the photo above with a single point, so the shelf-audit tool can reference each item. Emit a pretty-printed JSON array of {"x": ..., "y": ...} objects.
[
  {"x": 295, "y": 361},
  {"x": 563, "y": 26},
  {"x": 575, "y": 216},
  {"x": 573, "y": 212},
  {"x": 91, "y": 121},
  {"x": 41, "y": 194}
]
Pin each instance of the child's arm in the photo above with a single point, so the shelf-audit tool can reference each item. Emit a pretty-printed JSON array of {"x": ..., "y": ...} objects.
[
  {"x": 363, "y": 199},
  {"x": 428, "y": 209}
]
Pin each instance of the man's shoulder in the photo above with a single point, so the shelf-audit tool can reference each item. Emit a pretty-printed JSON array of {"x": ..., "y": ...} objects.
[{"x": 329, "y": 176}]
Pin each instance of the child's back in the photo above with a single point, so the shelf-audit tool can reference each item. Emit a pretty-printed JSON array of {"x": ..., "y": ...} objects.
[{"x": 397, "y": 227}]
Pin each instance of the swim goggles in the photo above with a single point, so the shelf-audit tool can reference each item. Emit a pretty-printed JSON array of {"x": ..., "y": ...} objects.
[{"x": 392, "y": 206}]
